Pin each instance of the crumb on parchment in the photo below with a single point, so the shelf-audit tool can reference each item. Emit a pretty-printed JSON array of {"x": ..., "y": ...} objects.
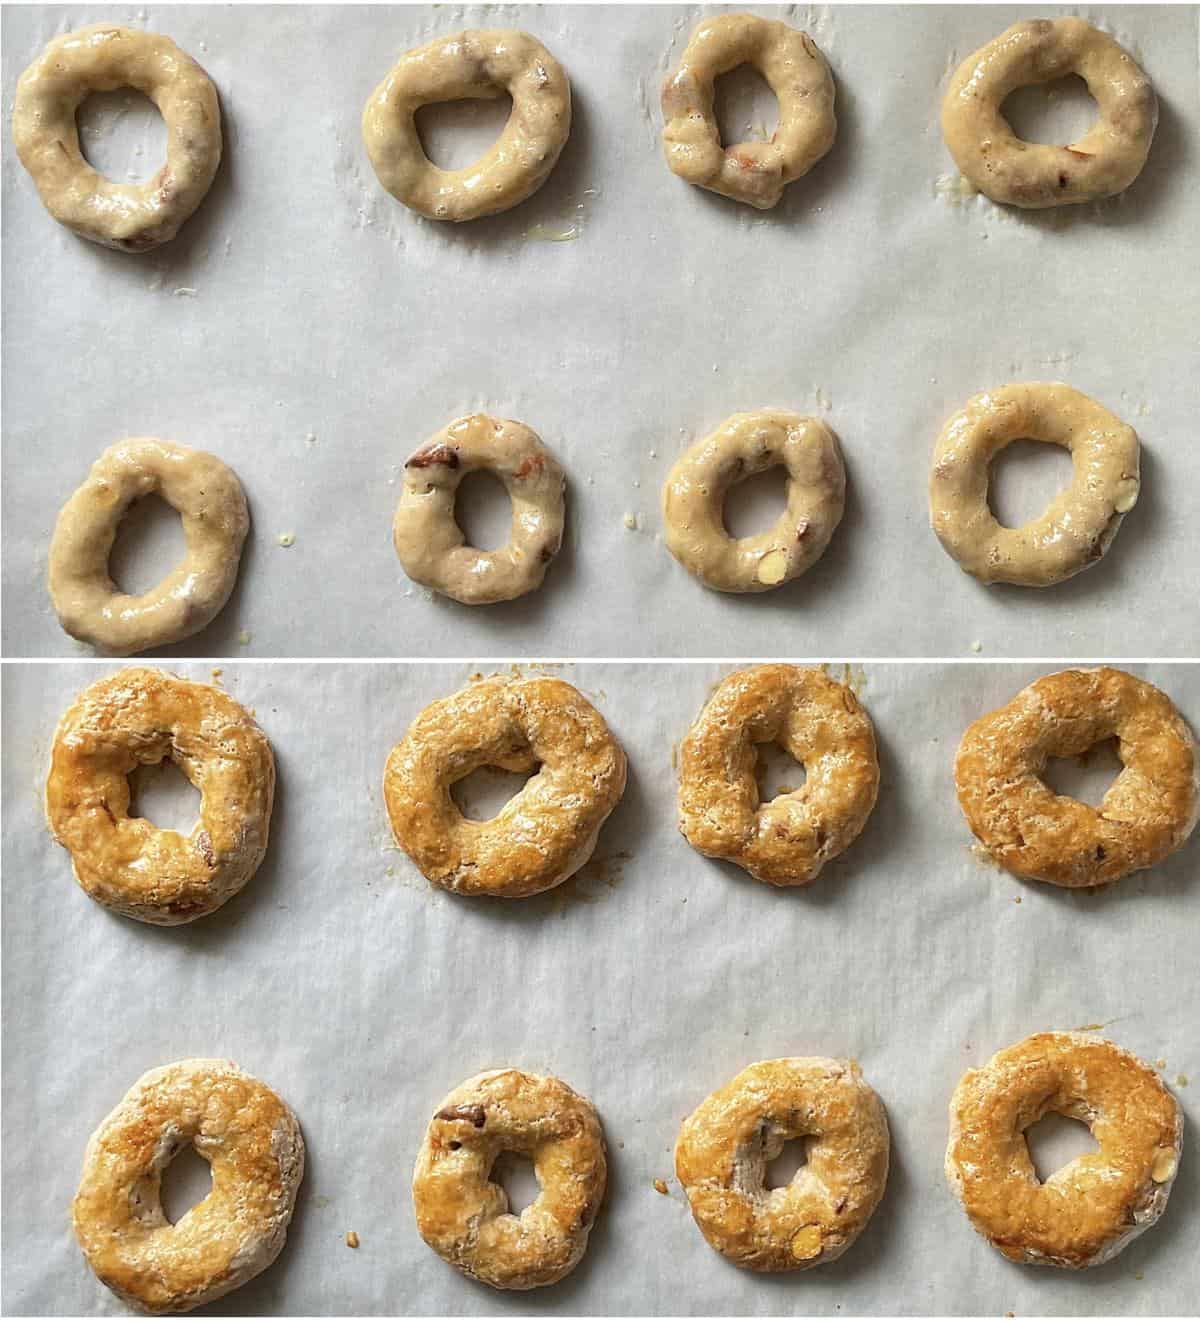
[
  {"x": 660, "y": 1186},
  {"x": 351, "y": 1239},
  {"x": 287, "y": 539}
]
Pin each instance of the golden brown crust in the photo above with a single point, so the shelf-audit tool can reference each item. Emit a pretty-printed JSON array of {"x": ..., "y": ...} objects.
[
  {"x": 1086, "y": 1212},
  {"x": 1078, "y": 525},
  {"x": 103, "y": 58},
  {"x": 797, "y": 72},
  {"x": 471, "y": 64},
  {"x": 694, "y": 494},
  {"x": 465, "y": 1218},
  {"x": 1106, "y": 160},
  {"x": 542, "y": 835},
  {"x": 252, "y": 1141},
  {"x": 1147, "y": 813},
  {"x": 138, "y": 717},
  {"x": 725, "y": 1144},
  {"x": 427, "y": 537},
  {"x": 822, "y": 725}
]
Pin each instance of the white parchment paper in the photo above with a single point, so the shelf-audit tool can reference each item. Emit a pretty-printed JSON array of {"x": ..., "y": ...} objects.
[
  {"x": 343, "y": 980},
  {"x": 312, "y": 332}
]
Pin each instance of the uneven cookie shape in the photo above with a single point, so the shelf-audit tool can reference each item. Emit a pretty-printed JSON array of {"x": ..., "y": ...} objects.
[
  {"x": 1092, "y": 1208},
  {"x": 464, "y": 1217},
  {"x": 252, "y": 1141}
]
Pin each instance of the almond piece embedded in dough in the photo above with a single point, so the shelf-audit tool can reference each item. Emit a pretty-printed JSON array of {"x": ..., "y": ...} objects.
[{"x": 772, "y": 568}]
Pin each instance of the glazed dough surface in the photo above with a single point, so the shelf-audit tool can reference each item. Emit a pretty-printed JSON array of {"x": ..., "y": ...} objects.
[
  {"x": 1086, "y": 1212},
  {"x": 138, "y": 717},
  {"x": 549, "y": 829},
  {"x": 471, "y": 64},
  {"x": 798, "y": 74},
  {"x": 1078, "y": 525},
  {"x": 212, "y": 508},
  {"x": 822, "y": 725},
  {"x": 252, "y": 1142},
  {"x": 1148, "y": 812},
  {"x": 464, "y": 1217},
  {"x": 744, "y": 444},
  {"x": 103, "y": 58},
  {"x": 427, "y": 537},
  {"x": 726, "y": 1143},
  {"x": 1106, "y": 160}
]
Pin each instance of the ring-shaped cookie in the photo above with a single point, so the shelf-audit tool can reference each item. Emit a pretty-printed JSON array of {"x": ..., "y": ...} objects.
[
  {"x": 464, "y": 1216},
  {"x": 1107, "y": 159},
  {"x": 471, "y": 64},
  {"x": 1086, "y": 1212},
  {"x": 542, "y": 835},
  {"x": 136, "y": 718},
  {"x": 252, "y": 1142},
  {"x": 726, "y": 1143},
  {"x": 1078, "y": 525},
  {"x": 797, "y": 72},
  {"x": 212, "y": 507},
  {"x": 820, "y": 723},
  {"x": 1148, "y": 812},
  {"x": 744, "y": 444},
  {"x": 427, "y": 537},
  {"x": 103, "y": 58}
]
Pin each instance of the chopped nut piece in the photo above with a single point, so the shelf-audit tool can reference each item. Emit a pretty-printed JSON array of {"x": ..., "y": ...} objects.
[
  {"x": 1163, "y": 1167},
  {"x": 1127, "y": 495},
  {"x": 772, "y": 568},
  {"x": 660, "y": 1187},
  {"x": 807, "y": 1243},
  {"x": 351, "y": 1239}
]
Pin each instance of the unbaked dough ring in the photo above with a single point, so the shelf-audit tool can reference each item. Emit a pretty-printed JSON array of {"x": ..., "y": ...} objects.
[
  {"x": 1107, "y": 159},
  {"x": 1078, "y": 525},
  {"x": 103, "y": 58},
  {"x": 725, "y": 1144},
  {"x": 745, "y": 444},
  {"x": 464, "y": 1217},
  {"x": 428, "y": 539},
  {"x": 1086, "y": 1212},
  {"x": 821, "y": 724},
  {"x": 471, "y": 64},
  {"x": 753, "y": 172},
  {"x": 252, "y": 1141},
  {"x": 1148, "y": 812},
  {"x": 548, "y": 830},
  {"x": 212, "y": 506},
  {"x": 138, "y": 717}
]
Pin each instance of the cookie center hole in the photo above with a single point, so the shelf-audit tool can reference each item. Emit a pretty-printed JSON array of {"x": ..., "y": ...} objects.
[
  {"x": 777, "y": 772},
  {"x": 1086, "y": 778},
  {"x": 483, "y": 794},
  {"x": 516, "y": 1175},
  {"x": 148, "y": 545},
  {"x": 122, "y": 135},
  {"x": 745, "y": 107},
  {"x": 161, "y": 794},
  {"x": 779, "y": 1172},
  {"x": 455, "y": 134},
  {"x": 1054, "y": 1141},
  {"x": 756, "y": 504},
  {"x": 186, "y": 1182},
  {"x": 1024, "y": 477},
  {"x": 483, "y": 510},
  {"x": 1059, "y": 112}
]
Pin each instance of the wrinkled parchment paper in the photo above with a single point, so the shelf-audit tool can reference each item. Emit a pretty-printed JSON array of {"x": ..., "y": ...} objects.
[
  {"x": 312, "y": 332},
  {"x": 344, "y": 981}
]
